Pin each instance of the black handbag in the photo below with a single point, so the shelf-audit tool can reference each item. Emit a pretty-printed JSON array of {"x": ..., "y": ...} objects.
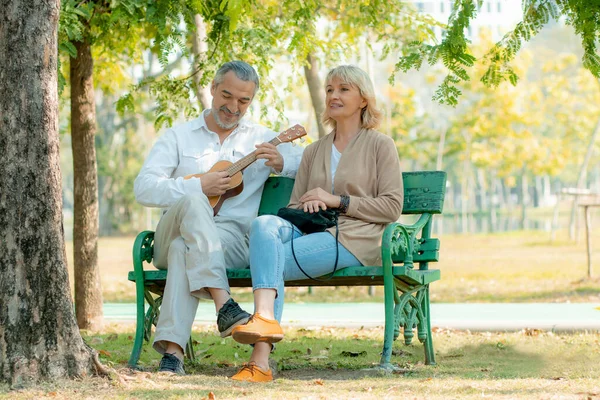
[{"x": 312, "y": 223}]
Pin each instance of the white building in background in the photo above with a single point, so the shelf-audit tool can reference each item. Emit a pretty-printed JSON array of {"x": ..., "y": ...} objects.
[{"x": 497, "y": 16}]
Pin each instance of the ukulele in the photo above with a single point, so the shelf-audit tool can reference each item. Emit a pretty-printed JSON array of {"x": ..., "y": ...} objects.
[{"x": 234, "y": 170}]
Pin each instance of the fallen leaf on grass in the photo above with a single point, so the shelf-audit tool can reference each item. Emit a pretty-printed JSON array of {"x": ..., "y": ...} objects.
[
  {"x": 105, "y": 353},
  {"x": 309, "y": 351},
  {"x": 426, "y": 379},
  {"x": 211, "y": 396},
  {"x": 369, "y": 389},
  {"x": 112, "y": 336},
  {"x": 353, "y": 353},
  {"x": 52, "y": 394},
  {"x": 319, "y": 382}
]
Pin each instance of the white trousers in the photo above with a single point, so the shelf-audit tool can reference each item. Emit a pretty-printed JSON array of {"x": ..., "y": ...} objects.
[{"x": 195, "y": 248}]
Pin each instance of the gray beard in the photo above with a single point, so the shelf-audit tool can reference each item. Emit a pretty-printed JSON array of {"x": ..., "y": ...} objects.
[{"x": 222, "y": 124}]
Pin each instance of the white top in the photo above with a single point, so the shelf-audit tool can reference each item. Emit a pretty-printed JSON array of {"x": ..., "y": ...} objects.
[
  {"x": 335, "y": 160},
  {"x": 191, "y": 148}
]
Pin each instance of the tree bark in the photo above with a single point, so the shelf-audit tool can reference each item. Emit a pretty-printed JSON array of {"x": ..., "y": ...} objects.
[
  {"x": 88, "y": 291},
  {"x": 199, "y": 48},
  {"x": 38, "y": 334},
  {"x": 315, "y": 87}
]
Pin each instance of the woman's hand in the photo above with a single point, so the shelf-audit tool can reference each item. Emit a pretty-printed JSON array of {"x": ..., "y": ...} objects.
[
  {"x": 321, "y": 197},
  {"x": 313, "y": 206}
]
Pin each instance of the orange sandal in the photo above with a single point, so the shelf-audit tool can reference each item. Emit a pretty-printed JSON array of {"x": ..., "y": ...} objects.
[
  {"x": 251, "y": 372},
  {"x": 258, "y": 329}
]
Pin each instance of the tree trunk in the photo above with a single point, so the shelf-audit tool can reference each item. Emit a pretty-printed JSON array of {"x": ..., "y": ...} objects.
[
  {"x": 482, "y": 202},
  {"x": 440, "y": 151},
  {"x": 315, "y": 87},
  {"x": 524, "y": 198},
  {"x": 88, "y": 292},
  {"x": 39, "y": 338},
  {"x": 199, "y": 48},
  {"x": 537, "y": 191}
]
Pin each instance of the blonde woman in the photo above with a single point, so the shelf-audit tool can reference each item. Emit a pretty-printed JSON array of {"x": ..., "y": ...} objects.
[{"x": 354, "y": 169}]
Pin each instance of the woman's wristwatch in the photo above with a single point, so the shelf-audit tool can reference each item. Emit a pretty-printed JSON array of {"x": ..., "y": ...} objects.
[{"x": 344, "y": 203}]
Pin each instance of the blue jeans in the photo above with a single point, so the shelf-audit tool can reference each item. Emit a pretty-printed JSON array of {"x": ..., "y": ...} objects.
[{"x": 272, "y": 262}]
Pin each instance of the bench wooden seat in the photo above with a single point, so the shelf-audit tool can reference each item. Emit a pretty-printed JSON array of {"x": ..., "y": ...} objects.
[{"x": 406, "y": 288}]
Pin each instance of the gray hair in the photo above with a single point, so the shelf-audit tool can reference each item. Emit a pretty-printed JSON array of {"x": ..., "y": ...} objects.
[{"x": 241, "y": 69}]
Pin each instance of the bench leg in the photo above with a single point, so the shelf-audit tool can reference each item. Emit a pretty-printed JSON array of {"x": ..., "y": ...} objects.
[
  {"x": 388, "y": 337},
  {"x": 139, "y": 326},
  {"x": 428, "y": 343},
  {"x": 189, "y": 350}
]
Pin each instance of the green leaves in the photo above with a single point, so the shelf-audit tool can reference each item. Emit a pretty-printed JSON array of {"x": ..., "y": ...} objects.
[
  {"x": 453, "y": 52},
  {"x": 232, "y": 9},
  {"x": 454, "y": 49}
]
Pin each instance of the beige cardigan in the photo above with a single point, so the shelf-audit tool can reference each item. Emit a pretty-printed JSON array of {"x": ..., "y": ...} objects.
[{"x": 369, "y": 172}]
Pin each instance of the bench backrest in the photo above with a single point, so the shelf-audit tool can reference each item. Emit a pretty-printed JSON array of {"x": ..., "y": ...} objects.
[
  {"x": 276, "y": 194},
  {"x": 423, "y": 193}
]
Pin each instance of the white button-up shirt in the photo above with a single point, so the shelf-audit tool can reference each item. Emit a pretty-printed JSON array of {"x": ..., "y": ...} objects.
[{"x": 191, "y": 148}]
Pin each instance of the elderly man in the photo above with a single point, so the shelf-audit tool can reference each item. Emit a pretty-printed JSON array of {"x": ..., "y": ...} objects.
[{"x": 190, "y": 242}]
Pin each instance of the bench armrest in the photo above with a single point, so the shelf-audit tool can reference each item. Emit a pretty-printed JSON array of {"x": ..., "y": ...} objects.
[
  {"x": 399, "y": 238},
  {"x": 143, "y": 250}
]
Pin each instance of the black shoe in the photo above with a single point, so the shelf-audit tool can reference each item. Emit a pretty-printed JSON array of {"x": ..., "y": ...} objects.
[
  {"x": 170, "y": 363},
  {"x": 230, "y": 316}
]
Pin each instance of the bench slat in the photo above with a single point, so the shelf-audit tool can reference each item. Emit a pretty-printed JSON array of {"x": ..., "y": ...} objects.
[
  {"x": 429, "y": 251},
  {"x": 350, "y": 276}
]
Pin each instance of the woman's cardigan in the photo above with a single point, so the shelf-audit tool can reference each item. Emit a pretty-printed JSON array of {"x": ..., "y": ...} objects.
[{"x": 369, "y": 172}]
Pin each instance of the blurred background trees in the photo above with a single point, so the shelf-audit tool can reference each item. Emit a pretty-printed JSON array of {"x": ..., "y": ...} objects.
[{"x": 508, "y": 149}]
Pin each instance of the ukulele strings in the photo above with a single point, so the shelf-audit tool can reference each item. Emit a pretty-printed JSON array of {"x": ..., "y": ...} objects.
[{"x": 249, "y": 159}]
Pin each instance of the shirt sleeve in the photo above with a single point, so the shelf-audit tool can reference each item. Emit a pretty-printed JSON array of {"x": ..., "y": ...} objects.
[
  {"x": 386, "y": 207},
  {"x": 154, "y": 186},
  {"x": 292, "y": 154}
]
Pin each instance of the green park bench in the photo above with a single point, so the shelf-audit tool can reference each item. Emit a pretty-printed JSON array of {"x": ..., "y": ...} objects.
[{"x": 406, "y": 288}]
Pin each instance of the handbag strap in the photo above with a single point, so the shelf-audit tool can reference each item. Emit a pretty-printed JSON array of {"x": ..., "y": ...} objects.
[{"x": 337, "y": 255}]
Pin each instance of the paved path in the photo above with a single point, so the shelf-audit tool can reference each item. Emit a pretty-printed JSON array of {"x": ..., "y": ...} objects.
[{"x": 476, "y": 316}]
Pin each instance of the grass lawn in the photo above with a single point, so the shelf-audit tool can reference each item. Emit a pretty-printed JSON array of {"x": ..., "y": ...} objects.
[
  {"x": 328, "y": 363},
  {"x": 504, "y": 267}
]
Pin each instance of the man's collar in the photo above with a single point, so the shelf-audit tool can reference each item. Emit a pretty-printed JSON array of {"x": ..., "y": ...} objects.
[{"x": 200, "y": 122}]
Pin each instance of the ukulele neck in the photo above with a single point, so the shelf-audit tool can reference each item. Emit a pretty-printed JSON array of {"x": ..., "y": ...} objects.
[{"x": 241, "y": 164}]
